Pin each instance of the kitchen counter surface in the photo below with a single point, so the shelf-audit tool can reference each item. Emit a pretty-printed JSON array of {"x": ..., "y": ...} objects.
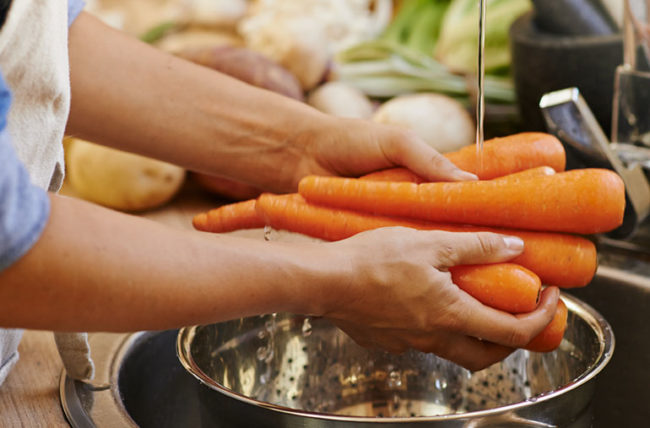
[{"x": 30, "y": 395}]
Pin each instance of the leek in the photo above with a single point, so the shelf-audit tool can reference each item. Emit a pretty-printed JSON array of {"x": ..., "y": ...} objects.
[{"x": 382, "y": 69}]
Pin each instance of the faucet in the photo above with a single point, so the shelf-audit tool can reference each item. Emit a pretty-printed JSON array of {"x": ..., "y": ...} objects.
[{"x": 570, "y": 119}]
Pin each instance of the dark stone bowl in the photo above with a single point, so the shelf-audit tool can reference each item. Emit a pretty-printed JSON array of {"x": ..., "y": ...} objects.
[{"x": 543, "y": 62}]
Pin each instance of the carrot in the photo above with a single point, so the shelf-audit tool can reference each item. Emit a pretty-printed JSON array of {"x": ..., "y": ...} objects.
[
  {"x": 539, "y": 171},
  {"x": 242, "y": 215},
  {"x": 559, "y": 259},
  {"x": 513, "y": 153},
  {"x": 227, "y": 218},
  {"x": 505, "y": 286},
  {"x": 551, "y": 337},
  {"x": 407, "y": 176},
  {"x": 578, "y": 201},
  {"x": 500, "y": 157},
  {"x": 394, "y": 174}
]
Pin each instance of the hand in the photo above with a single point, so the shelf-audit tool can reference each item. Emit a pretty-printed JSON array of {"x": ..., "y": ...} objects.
[
  {"x": 351, "y": 147},
  {"x": 398, "y": 295}
]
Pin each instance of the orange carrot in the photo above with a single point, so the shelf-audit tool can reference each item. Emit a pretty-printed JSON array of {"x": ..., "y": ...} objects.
[
  {"x": 505, "y": 286},
  {"x": 394, "y": 174},
  {"x": 227, "y": 218},
  {"x": 517, "y": 152},
  {"x": 551, "y": 337},
  {"x": 578, "y": 201},
  {"x": 539, "y": 171},
  {"x": 407, "y": 176},
  {"x": 501, "y": 156},
  {"x": 559, "y": 259}
]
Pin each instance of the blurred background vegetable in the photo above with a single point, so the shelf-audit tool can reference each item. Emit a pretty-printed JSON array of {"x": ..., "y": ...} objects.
[
  {"x": 120, "y": 180},
  {"x": 349, "y": 58},
  {"x": 441, "y": 121},
  {"x": 304, "y": 35},
  {"x": 458, "y": 41},
  {"x": 342, "y": 100}
]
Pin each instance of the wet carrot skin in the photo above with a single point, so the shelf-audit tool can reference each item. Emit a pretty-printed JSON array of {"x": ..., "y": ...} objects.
[
  {"x": 560, "y": 259},
  {"x": 582, "y": 201},
  {"x": 512, "y": 153},
  {"x": 551, "y": 337},
  {"x": 228, "y": 218},
  {"x": 500, "y": 157},
  {"x": 504, "y": 286},
  {"x": 407, "y": 176}
]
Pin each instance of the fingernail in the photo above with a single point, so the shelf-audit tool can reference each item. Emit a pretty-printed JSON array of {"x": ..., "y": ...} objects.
[
  {"x": 514, "y": 243},
  {"x": 466, "y": 176}
]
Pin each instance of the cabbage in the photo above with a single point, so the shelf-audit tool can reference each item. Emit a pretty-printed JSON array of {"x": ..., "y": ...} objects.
[{"x": 457, "y": 44}]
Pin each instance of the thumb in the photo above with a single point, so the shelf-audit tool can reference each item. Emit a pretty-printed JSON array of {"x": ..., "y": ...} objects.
[
  {"x": 427, "y": 162},
  {"x": 476, "y": 248}
]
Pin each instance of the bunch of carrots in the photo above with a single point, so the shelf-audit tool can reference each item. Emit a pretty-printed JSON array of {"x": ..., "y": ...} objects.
[{"x": 523, "y": 190}]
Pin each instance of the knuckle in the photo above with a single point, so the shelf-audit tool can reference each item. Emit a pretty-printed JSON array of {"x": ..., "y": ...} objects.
[
  {"x": 438, "y": 161},
  {"x": 518, "y": 337},
  {"x": 446, "y": 253},
  {"x": 488, "y": 243},
  {"x": 452, "y": 320}
]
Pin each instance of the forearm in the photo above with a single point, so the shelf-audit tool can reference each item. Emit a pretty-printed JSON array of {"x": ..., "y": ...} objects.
[
  {"x": 95, "y": 269},
  {"x": 131, "y": 96}
]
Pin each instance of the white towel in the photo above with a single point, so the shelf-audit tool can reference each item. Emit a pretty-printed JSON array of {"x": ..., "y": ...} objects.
[{"x": 34, "y": 63}]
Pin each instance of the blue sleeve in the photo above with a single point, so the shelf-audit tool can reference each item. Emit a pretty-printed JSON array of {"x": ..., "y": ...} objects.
[
  {"x": 24, "y": 208},
  {"x": 74, "y": 9}
]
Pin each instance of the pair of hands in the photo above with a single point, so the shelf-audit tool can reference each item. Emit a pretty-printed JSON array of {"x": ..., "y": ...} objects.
[{"x": 398, "y": 294}]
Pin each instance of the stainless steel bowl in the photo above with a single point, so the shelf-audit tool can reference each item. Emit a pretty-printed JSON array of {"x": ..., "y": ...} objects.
[{"x": 283, "y": 370}]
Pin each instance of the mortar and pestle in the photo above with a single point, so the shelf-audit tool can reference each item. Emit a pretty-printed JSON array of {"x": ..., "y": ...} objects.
[{"x": 562, "y": 44}]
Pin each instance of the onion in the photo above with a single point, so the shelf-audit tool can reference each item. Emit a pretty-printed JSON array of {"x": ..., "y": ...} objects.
[
  {"x": 342, "y": 100},
  {"x": 441, "y": 121}
]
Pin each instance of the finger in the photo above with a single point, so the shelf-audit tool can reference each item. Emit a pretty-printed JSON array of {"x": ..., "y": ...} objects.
[
  {"x": 413, "y": 153},
  {"x": 372, "y": 338},
  {"x": 470, "y": 317},
  {"x": 469, "y": 352},
  {"x": 475, "y": 248}
]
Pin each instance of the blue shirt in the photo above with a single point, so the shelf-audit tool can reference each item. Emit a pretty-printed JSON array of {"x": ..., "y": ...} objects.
[{"x": 24, "y": 208}]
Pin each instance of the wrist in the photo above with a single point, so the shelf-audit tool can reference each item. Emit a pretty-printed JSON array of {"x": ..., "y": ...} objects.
[{"x": 315, "y": 278}]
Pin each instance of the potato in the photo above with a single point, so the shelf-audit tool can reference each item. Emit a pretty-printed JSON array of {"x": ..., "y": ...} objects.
[
  {"x": 120, "y": 180},
  {"x": 247, "y": 66}
]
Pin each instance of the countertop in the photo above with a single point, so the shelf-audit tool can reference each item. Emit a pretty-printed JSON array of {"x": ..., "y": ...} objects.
[{"x": 30, "y": 395}]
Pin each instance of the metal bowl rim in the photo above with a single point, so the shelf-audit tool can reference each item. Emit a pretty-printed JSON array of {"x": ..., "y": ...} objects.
[{"x": 582, "y": 309}]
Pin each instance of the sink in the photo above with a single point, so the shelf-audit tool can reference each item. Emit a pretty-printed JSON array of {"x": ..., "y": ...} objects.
[
  {"x": 622, "y": 389},
  {"x": 140, "y": 381}
]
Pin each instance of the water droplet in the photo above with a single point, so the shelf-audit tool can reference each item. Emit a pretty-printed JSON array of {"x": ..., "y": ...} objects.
[
  {"x": 394, "y": 379},
  {"x": 306, "y": 327},
  {"x": 261, "y": 334}
]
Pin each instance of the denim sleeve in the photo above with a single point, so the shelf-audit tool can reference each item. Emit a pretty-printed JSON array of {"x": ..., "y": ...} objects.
[
  {"x": 24, "y": 208},
  {"x": 74, "y": 9}
]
